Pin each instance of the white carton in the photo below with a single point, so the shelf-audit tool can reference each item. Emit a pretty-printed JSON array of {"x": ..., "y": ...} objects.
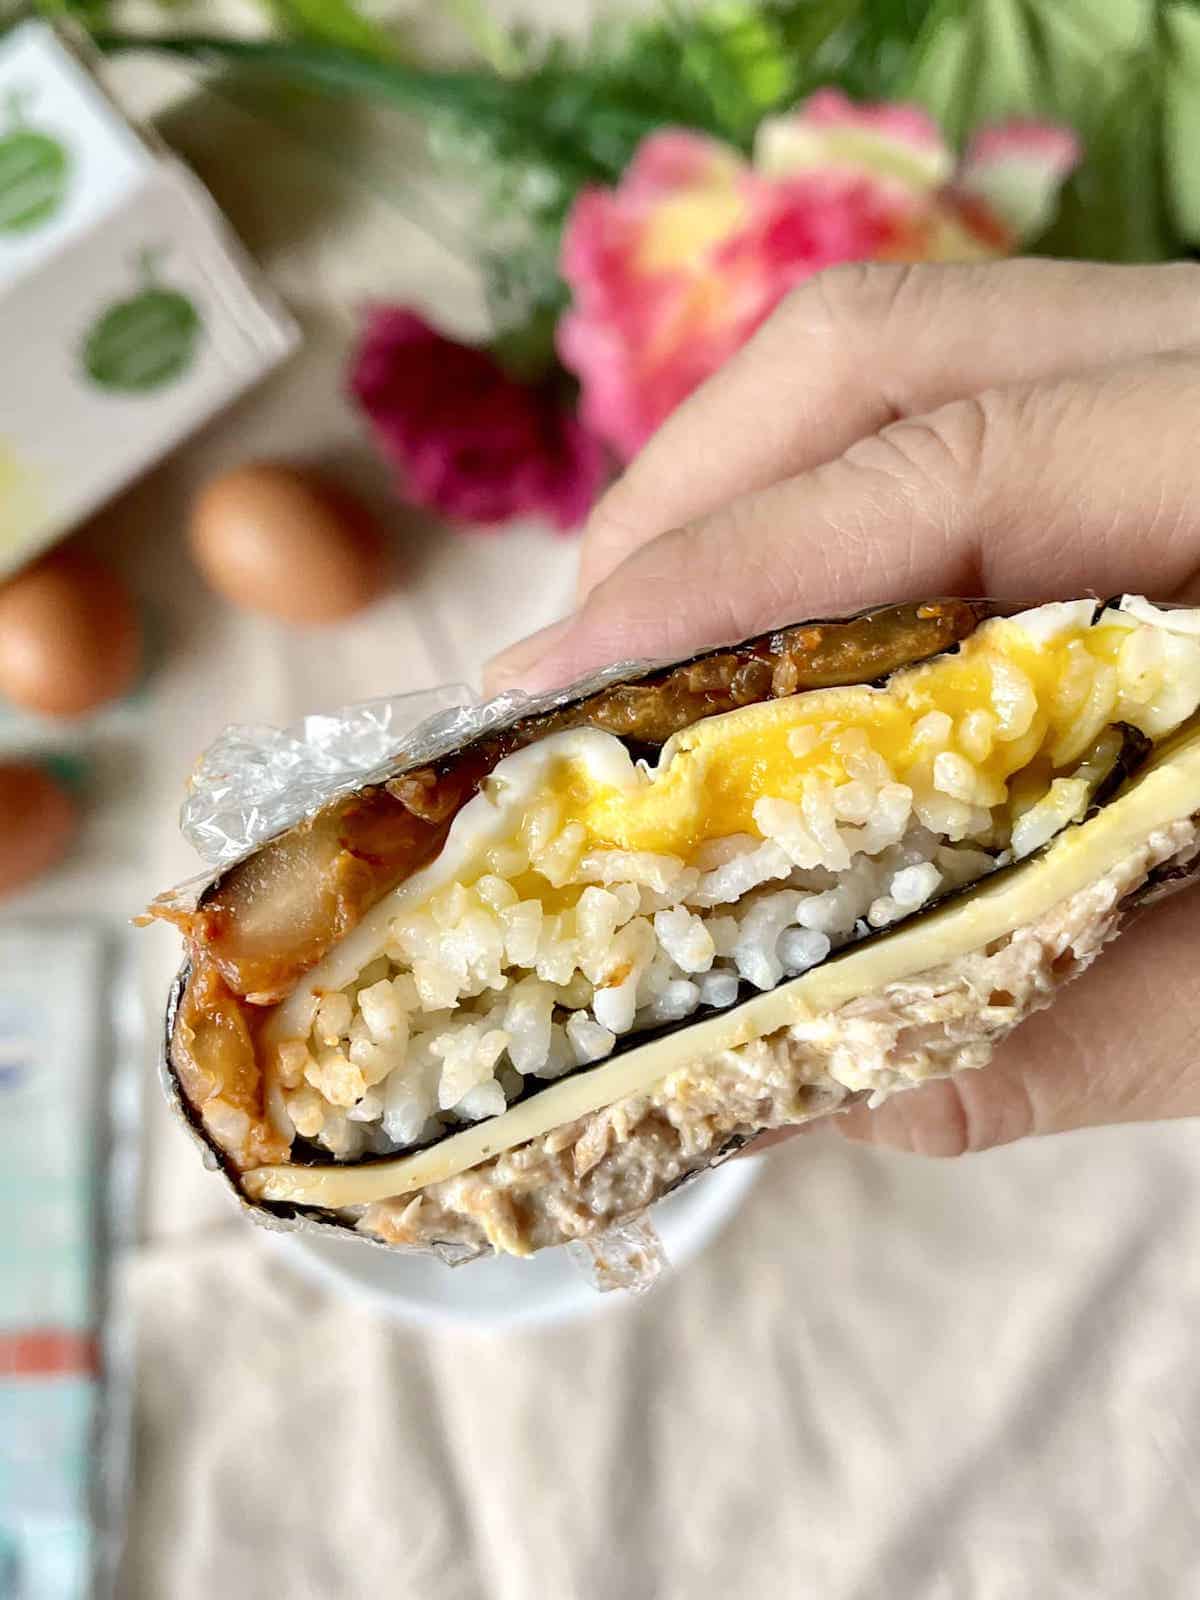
[{"x": 128, "y": 313}]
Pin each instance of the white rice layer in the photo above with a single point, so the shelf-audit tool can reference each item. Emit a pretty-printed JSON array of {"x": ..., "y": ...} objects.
[
  {"x": 531, "y": 950},
  {"x": 540, "y": 965}
]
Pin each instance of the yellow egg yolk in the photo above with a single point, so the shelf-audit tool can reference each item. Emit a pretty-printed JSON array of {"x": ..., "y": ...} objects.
[{"x": 1002, "y": 701}]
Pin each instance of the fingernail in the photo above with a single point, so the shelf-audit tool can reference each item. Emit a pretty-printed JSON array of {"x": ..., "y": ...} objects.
[{"x": 509, "y": 669}]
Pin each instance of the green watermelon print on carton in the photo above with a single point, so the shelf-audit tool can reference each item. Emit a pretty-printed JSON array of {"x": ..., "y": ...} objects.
[
  {"x": 144, "y": 342},
  {"x": 35, "y": 169}
]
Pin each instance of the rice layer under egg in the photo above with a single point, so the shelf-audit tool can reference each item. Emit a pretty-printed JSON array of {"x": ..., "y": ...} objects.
[{"x": 852, "y": 809}]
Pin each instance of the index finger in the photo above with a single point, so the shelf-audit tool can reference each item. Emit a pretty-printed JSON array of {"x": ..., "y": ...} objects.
[
  {"x": 859, "y": 347},
  {"x": 1026, "y": 494}
]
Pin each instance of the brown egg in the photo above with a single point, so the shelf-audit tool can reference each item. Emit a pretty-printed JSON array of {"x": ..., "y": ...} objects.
[
  {"x": 280, "y": 540},
  {"x": 37, "y": 823},
  {"x": 69, "y": 635}
]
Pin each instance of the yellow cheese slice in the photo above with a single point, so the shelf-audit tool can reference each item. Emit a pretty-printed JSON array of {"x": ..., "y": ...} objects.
[{"x": 1166, "y": 792}]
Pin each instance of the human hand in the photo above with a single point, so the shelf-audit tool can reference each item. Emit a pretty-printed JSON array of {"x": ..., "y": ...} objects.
[{"x": 1024, "y": 430}]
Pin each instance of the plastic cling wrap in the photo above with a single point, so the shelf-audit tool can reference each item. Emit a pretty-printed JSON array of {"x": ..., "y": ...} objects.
[{"x": 255, "y": 781}]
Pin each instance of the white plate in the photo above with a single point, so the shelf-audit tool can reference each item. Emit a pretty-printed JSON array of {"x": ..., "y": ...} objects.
[{"x": 501, "y": 1292}]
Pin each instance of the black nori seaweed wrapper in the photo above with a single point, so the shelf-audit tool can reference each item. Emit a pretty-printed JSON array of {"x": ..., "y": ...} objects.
[{"x": 535, "y": 719}]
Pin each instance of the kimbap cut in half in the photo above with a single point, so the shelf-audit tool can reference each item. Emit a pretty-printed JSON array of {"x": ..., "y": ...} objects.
[{"x": 510, "y": 997}]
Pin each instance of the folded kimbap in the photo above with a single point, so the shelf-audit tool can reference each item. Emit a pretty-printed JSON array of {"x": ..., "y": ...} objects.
[{"x": 511, "y": 996}]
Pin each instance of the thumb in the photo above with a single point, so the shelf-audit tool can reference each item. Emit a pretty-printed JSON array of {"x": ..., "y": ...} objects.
[{"x": 1118, "y": 1045}]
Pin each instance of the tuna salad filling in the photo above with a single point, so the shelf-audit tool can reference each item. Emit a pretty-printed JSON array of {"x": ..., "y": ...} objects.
[
  {"x": 585, "y": 1176},
  {"x": 584, "y": 899}
]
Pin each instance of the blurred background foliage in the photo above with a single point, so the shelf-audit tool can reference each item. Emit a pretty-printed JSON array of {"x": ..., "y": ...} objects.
[{"x": 532, "y": 117}]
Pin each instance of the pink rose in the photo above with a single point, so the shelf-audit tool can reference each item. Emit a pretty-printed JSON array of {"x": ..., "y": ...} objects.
[
  {"x": 469, "y": 441},
  {"x": 673, "y": 270}
]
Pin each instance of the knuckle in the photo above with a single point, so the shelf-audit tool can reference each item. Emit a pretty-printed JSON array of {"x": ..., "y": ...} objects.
[
  {"x": 962, "y": 1115},
  {"x": 615, "y": 512},
  {"x": 865, "y": 294},
  {"x": 944, "y": 1131},
  {"x": 996, "y": 1109},
  {"x": 605, "y": 527},
  {"x": 861, "y": 298},
  {"x": 947, "y": 1118},
  {"x": 944, "y": 451},
  {"x": 613, "y": 530}
]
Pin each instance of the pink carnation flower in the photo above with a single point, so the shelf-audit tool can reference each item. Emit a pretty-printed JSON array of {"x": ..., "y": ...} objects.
[
  {"x": 673, "y": 270},
  {"x": 467, "y": 440}
]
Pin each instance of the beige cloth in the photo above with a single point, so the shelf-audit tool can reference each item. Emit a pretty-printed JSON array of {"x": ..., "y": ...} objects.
[{"x": 887, "y": 1379}]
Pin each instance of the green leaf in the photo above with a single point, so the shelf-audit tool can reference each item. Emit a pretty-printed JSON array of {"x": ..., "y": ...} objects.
[
  {"x": 939, "y": 68},
  {"x": 552, "y": 115},
  {"x": 1097, "y": 65},
  {"x": 740, "y": 50},
  {"x": 1181, "y": 119},
  {"x": 1107, "y": 78},
  {"x": 88, "y": 13},
  {"x": 1103, "y": 27},
  {"x": 1113, "y": 209},
  {"x": 333, "y": 22},
  {"x": 862, "y": 48},
  {"x": 1009, "y": 84},
  {"x": 490, "y": 38}
]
